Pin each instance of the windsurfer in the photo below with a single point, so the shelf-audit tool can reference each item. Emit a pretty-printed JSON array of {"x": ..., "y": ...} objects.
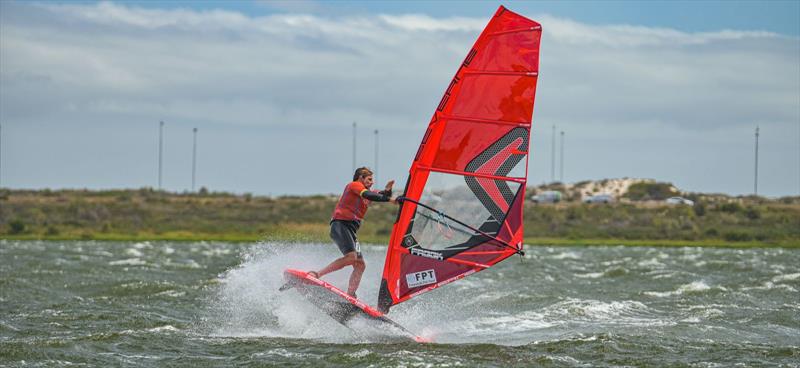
[{"x": 346, "y": 220}]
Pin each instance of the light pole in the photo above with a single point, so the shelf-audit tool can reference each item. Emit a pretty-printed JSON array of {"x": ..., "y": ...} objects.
[
  {"x": 755, "y": 184},
  {"x": 553, "y": 156},
  {"x": 561, "y": 173},
  {"x": 354, "y": 146},
  {"x": 194, "y": 156},
  {"x": 160, "y": 150},
  {"x": 376, "y": 155},
  {"x": 1, "y": 155}
]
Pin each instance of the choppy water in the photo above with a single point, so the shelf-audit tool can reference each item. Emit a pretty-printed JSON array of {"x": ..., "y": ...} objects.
[{"x": 216, "y": 304}]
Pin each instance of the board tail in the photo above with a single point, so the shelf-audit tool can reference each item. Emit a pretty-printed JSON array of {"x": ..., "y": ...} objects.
[{"x": 339, "y": 305}]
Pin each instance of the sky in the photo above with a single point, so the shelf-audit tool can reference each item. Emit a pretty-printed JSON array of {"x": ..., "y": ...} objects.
[{"x": 671, "y": 91}]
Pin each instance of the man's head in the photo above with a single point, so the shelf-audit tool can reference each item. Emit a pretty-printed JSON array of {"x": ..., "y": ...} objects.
[{"x": 364, "y": 175}]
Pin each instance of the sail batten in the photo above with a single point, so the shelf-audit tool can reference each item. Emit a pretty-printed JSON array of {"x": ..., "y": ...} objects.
[
  {"x": 467, "y": 173},
  {"x": 531, "y": 29},
  {"x": 454, "y": 118},
  {"x": 466, "y": 186},
  {"x": 501, "y": 72}
]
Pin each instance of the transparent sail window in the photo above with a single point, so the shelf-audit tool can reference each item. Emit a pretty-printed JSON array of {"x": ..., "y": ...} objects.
[{"x": 452, "y": 196}]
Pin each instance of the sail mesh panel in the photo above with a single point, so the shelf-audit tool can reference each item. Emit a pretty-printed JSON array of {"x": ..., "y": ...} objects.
[
  {"x": 434, "y": 232},
  {"x": 449, "y": 194}
]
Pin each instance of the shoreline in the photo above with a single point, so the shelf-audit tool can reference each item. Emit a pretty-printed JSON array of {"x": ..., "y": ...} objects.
[
  {"x": 148, "y": 215},
  {"x": 292, "y": 238}
]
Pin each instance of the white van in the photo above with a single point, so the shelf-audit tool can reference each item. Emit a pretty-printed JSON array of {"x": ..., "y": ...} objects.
[
  {"x": 599, "y": 198},
  {"x": 550, "y": 196},
  {"x": 679, "y": 200}
]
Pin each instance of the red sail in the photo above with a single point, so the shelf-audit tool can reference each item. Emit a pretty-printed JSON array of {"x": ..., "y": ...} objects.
[{"x": 467, "y": 183}]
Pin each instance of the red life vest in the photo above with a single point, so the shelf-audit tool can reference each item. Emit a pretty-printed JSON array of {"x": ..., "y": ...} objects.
[{"x": 351, "y": 206}]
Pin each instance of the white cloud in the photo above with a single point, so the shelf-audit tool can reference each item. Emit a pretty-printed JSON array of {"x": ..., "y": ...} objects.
[
  {"x": 626, "y": 36},
  {"x": 294, "y": 6},
  {"x": 108, "y": 13},
  {"x": 111, "y": 61},
  {"x": 419, "y": 22}
]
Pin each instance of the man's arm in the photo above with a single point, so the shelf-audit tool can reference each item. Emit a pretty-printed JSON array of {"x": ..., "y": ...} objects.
[{"x": 381, "y": 196}]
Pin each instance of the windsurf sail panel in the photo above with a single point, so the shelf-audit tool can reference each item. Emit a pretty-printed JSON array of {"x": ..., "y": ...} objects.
[{"x": 466, "y": 185}]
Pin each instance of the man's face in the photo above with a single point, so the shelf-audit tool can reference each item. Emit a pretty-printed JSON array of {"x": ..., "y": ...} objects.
[{"x": 367, "y": 181}]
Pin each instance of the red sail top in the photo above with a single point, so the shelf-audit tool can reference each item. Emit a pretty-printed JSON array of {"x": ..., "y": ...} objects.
[{"x": 467, "y": 183}]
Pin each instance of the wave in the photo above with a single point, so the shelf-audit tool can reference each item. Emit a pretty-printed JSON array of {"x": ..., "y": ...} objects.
[
  {"x": 695, "y": 287},
  {"x": 128, "y": 262},
  {"x": 596, "y": 310},
  {"x": 247, "y": 302},
  {"x": 786, "y": 277}
]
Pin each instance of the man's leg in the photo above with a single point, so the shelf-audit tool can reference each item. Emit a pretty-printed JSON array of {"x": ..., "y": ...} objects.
[
  {"x": 355, "y": 277},
  {"x": 346, "y": 260}
]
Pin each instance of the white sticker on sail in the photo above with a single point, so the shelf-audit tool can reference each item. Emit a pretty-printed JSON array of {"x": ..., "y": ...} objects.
[{"x": 421, "y": 278}]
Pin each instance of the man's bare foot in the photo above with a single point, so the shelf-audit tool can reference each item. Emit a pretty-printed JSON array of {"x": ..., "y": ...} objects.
[
  {"x": 353, "y": 294},
  {"x": 313, "y": 273}
]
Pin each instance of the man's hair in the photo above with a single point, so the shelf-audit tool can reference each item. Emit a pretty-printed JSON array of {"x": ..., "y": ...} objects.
[{"x": 361, "y": 172}]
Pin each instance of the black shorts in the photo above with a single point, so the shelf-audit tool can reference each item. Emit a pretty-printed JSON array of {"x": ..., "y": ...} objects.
[{"x": 343, "y": 234}]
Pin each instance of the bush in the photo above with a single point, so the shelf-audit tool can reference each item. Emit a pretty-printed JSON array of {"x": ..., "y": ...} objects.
[
  {"x": 16, "y": 226},
  {"x": 789, "y": 200},
  {"x": 576, "y": 213},
  {"x": 732, "y": 207},
  {"x": 650, "y": 191},
  {"x": 124, "y": 197},
  {"x": 699, "y": 209},
  {"x": 752, "y": 213},
  {"x": 737, "y": 236}
]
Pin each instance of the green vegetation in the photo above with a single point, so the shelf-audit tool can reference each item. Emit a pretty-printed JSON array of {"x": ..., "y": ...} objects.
[
  {"x": 651, "y": 191},
  {"x": 146, "y": 214},
  {"x": 767, "y": 224}
]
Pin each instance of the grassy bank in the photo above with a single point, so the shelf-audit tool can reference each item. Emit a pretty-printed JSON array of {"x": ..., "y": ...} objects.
[
  {"x": 529, "y": 241},
  {"x": 146, "y": 214}
]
